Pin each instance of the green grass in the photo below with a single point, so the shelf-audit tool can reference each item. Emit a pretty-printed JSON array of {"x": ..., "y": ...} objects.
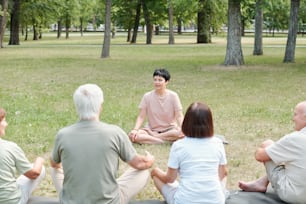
[{"x": 250, "y": 103}]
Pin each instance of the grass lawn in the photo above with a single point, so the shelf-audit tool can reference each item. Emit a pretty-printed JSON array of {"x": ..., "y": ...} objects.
[{"x": 250, "y": 103}]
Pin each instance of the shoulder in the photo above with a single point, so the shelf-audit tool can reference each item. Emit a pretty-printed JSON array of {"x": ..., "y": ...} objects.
[
  {"x": 171, "y": 93},
  {"x": 149, "y": 94},
  {"x": 9, "y": 144},
  {"x": 67, "y": 128},
  {"x": 180, "y": 143},
  {"x": 112, "y": 129}
]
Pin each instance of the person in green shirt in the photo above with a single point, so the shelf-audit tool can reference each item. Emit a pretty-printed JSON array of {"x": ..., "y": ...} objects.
[{"x": 86, "y": 154}]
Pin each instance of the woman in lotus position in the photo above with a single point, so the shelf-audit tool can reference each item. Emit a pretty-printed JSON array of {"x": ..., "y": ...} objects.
[{"x": 199, "y": 159}]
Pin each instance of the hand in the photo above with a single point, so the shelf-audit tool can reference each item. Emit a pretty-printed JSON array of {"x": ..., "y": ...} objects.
[
  {"x": 266, "y": 143},
  {"x": 40, "y": 160},
  {"x": 149, "y": 158},
  {"x": 132, "y": 135},
  {"x": 156, "y": 172}
]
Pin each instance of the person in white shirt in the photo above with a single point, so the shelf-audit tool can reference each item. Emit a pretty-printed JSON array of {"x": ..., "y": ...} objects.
[
  {"x": 199, "y": 160},
  {"x": 285, "y": 163}
]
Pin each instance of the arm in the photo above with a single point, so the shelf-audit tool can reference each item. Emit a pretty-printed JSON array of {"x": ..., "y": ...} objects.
[
  {"x": 141, "y": 117},
  {"x": 142, "y": 162},
  {"x": 179, "y": 118},
  {"x": 36, "y": 170},
  {"x": 54, "y": 164},
  {"x": 222, "y": 172},
  {"x": 165, "y": 177},
  {"x": 261, "y": 154}
]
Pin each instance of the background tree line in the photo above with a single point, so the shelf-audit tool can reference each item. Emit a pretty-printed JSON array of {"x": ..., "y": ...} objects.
[{"x": 206, "y": 17}]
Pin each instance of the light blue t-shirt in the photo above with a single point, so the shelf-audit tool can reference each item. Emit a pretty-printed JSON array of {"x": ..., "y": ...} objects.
[{"x": 197, "y": 161}]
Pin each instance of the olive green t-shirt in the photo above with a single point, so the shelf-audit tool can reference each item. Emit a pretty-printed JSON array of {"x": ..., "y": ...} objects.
[
  {"x": 12, "y": 159},
  {"x": 90, "y": 153}
]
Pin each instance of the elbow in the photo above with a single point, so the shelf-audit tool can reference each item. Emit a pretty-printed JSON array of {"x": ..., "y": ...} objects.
[
  {"x": 35, "y": 174},
  {"x": 257, "y": 157},
  {"x": 170, "y": 180},
  {"x": 225, "y": 173},
  {"x": 32, "y": 174}
]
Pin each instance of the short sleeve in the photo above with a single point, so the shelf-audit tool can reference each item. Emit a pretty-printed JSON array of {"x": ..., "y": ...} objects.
[
  {"x": 283, "y": 150},
  {"x": 56, "y": 153},
  {"x": 143, "y": 103},
  {"x": 22, "y": 163},
  {"x": 173, "y": 161},
  {"x": 177, "y": 102},
  {"x": 127, "y": 151},
  {"x": 223, "y": 160}
]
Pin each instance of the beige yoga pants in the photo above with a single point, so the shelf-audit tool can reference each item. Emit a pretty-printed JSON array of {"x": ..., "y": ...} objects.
[{"x": 130, "y": 182}]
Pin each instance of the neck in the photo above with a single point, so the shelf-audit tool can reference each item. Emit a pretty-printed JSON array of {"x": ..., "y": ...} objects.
[
  {"x": 160, "y": 92},
  {"x": 96, "y": 118}
]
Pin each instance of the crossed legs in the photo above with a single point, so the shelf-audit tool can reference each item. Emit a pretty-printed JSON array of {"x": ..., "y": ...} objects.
[
  {"x": 131, "y": 182},
  {"x": 27, "y": 185},
  {"x": 147, "y": 136}
]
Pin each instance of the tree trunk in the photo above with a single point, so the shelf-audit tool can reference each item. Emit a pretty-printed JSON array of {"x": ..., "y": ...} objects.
[
  {"x": 258, "y": 28},
  {"x": 136, "y": 23},
  {"x": 59, "y": 28},
  {"x": 26, "y": 33},
  {"x": 128, "y": 38},
  {"x": 107, "y": 31},
  {"x": 179, "y": 26},
  {"x": 171, "y": 33},
  {"x": 203, "y": 35},
  {"x": 35, "y": 33},
  {"x": 292, "y": 32},
  {"x": 14, "y": 34},
  {"x": 242, "y": 27},
  {"x": 3, "y": 20},
  {"x": 81, "y": 25},
  {"x": 67, "y": 25},
  {"x": 149, "y": 26},
  {"x": 40, "y": 32},
  {"x": 234, "y": 55},
  {"x": 157, "y": 30}
]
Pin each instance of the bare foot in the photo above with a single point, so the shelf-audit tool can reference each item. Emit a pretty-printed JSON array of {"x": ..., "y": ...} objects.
[{"x": 259, "y": 185}]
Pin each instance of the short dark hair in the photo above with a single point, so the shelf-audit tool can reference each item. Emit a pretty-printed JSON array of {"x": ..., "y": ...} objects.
[
  {"x": 198, "y": 121},
  {"x": 2, "y": 114},
  {"x": 162, "y": 73}
]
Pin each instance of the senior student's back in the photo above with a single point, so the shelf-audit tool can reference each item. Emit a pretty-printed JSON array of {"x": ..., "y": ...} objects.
[{"x": 86, "y": 156}]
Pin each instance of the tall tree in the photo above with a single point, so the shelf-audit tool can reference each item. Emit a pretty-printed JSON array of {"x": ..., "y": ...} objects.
[
  {"x": 107, "y": 31},
  {"x": 3, "y": 20},
  {"x": 149, "y": 25},
  {"x": 170, "y": 16},
  {"x": 203, "y": 35},
  {"x": 184, "y": 13},
  {"x": 276, "y": 15},
  {"x": 234, "y": 55},
  {"x": 86, "y": 12},
  {"x": 258, "y": 50},
  {"x": 210, "y": 18},
  {"x": 14, "y": 28},
  {"x": 136, "y": 22},
  {"x": 292, "y": 32}
]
